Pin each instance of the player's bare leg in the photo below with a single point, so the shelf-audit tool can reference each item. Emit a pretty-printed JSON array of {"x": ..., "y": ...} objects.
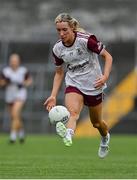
[
  {"x": 96, "y": 119},
  {"x": 74, "y": 104},
  {"x": 16, "y": 122}
]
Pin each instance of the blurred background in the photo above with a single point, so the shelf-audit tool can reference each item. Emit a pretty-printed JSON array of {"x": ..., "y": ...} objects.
[{"x": 27, "y": 28}]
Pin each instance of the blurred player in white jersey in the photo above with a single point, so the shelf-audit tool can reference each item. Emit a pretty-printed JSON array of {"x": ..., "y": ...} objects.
[
  {"x": 84, "y": 80},
  {"x": 15, "y": 78}
]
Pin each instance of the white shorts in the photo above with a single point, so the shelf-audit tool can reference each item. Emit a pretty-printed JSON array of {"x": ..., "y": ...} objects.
[{"x": 14, "y": 93}]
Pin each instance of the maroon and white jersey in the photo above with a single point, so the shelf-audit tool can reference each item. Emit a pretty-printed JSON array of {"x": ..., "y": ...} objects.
[
  {"x": 15, "y": 89},
  {"x": 82, "y": 62}
]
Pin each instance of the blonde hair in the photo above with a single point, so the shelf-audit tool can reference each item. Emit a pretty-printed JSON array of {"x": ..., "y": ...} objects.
[{"x": 73, "y": 23}]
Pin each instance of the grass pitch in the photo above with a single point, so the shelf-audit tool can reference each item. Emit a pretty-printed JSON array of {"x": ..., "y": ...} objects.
[{"x": 46, "y": 157}]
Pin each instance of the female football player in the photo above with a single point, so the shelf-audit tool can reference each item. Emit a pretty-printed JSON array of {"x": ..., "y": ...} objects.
[
  {"x": 85, "y": 82},
  {"x": 16, "y": 79}
]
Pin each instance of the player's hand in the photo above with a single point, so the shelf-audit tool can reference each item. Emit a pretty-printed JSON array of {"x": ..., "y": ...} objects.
[
  {"x": 50, "y": 103},
  {"x": 99, "y": 82}
]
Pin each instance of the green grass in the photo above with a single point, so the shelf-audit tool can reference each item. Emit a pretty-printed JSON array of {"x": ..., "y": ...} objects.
[{"x": 47, "y": 157}]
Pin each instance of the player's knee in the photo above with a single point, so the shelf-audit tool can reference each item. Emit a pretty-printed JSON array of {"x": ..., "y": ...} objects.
[
  {"x": 74, "y": 114},
  {"x": 15, "y": 115}
]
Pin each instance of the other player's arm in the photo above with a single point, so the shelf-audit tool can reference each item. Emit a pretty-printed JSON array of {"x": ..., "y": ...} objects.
[
  {"x": 27, "y": 80},
  {"x": 58, "y": 78}
]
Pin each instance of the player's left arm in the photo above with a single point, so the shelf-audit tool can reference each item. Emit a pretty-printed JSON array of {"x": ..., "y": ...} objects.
[
  {"x": 27, "y": 80},
  {"x": 106, "y": 56}
]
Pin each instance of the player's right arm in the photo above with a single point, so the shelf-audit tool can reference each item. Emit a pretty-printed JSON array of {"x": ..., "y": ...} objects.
[
  {"x": 3, "y": 80},
  {"x": 58, "y": 78}
]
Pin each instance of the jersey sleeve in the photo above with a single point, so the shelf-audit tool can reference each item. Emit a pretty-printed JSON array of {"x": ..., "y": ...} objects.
[
  {"x": 27, "y": 75},
  {"x": 94, "y": 45},
  {"x": 57, "y": 61},
  {"x": 4, "y": 77}
]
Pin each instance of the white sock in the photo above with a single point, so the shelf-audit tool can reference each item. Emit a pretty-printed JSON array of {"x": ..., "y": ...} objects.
[
  {"x": 21, "y": 133},
  {"x": 13, "y": 135},
  {"x": 105, "y": 136},
  {"x": 70, "y": 133}
]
